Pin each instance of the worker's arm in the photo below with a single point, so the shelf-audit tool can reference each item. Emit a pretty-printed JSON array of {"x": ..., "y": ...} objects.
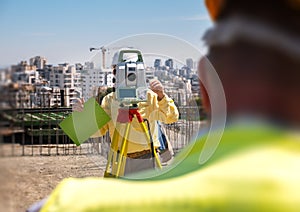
[
  {"x": 159, "y": 106},
  {"x": 167, "y": 110}
]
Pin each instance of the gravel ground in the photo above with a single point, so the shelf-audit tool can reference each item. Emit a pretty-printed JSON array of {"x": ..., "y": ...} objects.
[{"x": 28, "y": 179}]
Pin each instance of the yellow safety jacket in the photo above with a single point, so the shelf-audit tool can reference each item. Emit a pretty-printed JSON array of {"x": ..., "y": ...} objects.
[
  {"x": 255, "y": 168},
  {"x": 152, "y": 110}
]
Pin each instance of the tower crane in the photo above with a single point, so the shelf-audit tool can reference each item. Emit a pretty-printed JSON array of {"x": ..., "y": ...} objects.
[{"x": 103, "y": 50}]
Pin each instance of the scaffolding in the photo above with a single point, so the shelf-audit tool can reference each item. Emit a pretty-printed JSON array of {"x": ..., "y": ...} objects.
[{"x": 32, "y": 130}]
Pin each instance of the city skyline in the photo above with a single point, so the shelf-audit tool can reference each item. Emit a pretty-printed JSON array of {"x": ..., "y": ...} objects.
[{"x": 63, "y": 31}]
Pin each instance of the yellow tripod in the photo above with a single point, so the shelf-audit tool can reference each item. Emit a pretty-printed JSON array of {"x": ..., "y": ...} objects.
[{"x": 116, "y": 160}]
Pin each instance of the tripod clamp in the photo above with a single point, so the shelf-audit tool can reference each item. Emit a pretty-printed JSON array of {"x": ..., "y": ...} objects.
[{"x": 126, "y": 114}]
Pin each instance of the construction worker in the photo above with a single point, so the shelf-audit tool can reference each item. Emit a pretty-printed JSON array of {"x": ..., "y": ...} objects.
[
  {"x": 254, "y": 47},
  {"x": 158, "y": 107}
]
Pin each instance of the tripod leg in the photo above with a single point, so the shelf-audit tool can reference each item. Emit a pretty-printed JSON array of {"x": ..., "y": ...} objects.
[
  {"x": 123, "y": 153},
  {"x": 150, "y": 143},
  {"x": 112, "y": 155}
]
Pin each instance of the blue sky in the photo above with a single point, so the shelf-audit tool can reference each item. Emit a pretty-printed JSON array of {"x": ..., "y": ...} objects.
[{"x": 63, "y": 30}]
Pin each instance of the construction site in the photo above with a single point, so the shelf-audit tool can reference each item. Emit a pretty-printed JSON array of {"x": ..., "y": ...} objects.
[{"x": 35, "y": 154}]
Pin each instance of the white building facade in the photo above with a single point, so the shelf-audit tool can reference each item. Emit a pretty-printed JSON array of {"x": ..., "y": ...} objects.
[
  {"x": 65, "y": 77},
  {"x": 92, "y": 79}
]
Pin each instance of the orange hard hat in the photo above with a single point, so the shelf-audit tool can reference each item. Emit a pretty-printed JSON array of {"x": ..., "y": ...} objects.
[
  {"x": 214, "y": 7},
  {"x": 217, "y": 8}
]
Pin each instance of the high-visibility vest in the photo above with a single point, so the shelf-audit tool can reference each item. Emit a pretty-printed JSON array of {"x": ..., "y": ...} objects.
[{"x": 254, "y": 168}]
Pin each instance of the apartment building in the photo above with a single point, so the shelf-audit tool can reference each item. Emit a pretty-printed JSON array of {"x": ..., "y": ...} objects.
[
  {"x": 94, "y": 78},
  {"x": 68, "y": 79}
]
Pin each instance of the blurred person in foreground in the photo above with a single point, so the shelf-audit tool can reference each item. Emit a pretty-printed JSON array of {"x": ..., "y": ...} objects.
[{"x": 254, "y": 47}]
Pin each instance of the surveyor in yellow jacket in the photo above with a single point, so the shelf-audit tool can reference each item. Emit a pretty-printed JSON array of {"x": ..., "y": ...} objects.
[{"x": 158, "y": 107}]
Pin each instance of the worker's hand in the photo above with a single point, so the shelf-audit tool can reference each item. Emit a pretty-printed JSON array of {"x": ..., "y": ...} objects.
[
  {"x": 78, "y": 105},
  {"x": 157, "y": 88}
]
